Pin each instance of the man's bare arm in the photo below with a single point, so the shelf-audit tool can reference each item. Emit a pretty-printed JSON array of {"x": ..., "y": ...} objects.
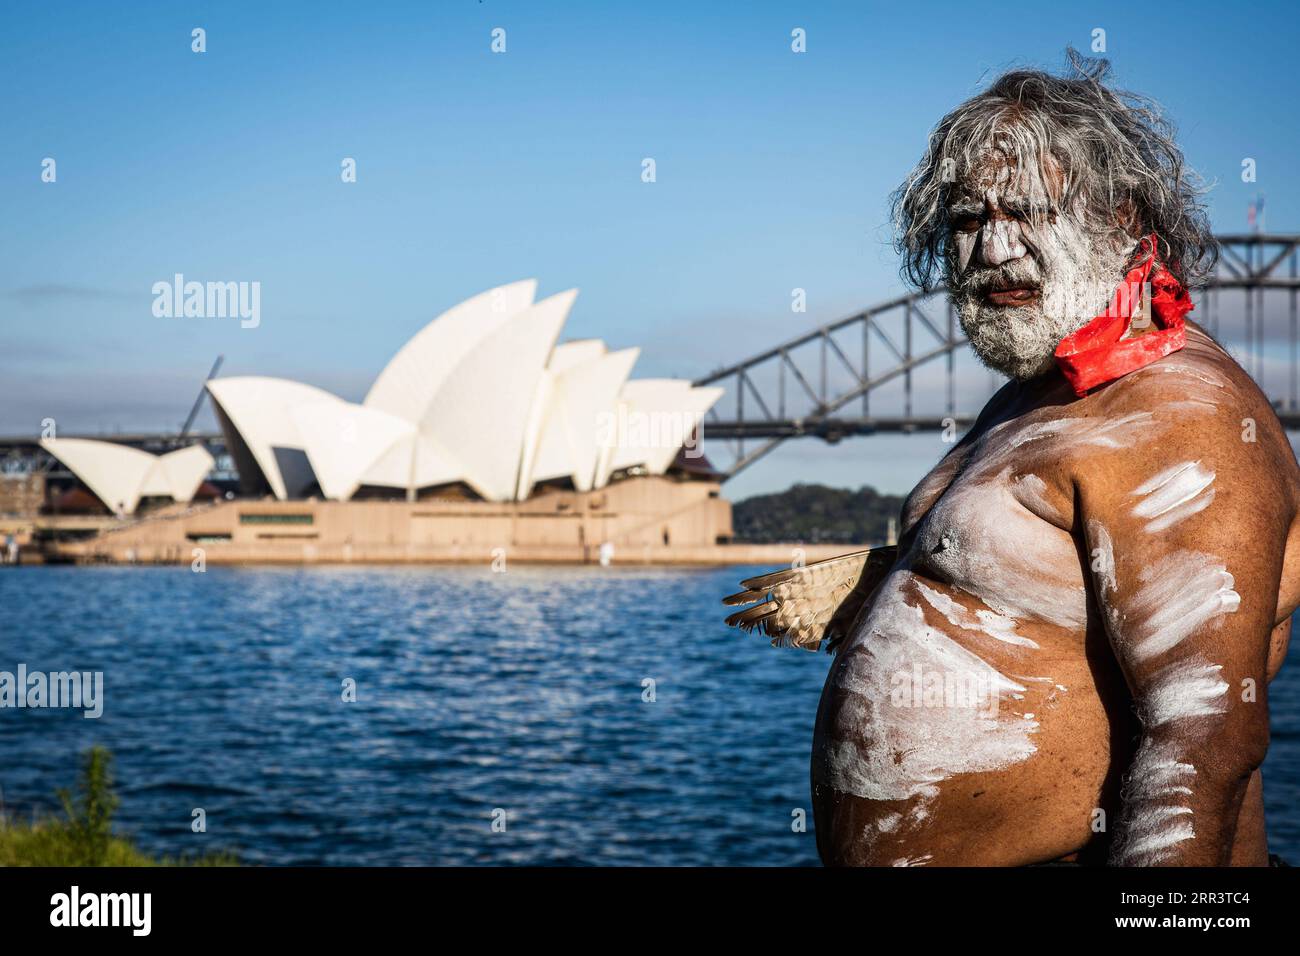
[{"x": 1186, "y": 535}]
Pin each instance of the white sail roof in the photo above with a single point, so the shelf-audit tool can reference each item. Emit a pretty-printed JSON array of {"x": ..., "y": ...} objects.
[
  {"x": 655, "y": 417},
  {"x": 185, "y": 469},
  {"x": 115, "y": 473},
  {"x": 261, "y": 409},
  {"x": 484, "y": 408},
  {"x": 120, "y": 475},
  {"x": 482, "y": 395},
  {"x": 412, "y": 377},
  {"x": 415, "y": 461},
  {"x": 581, "y": 408},
  {"x": 563, "y": 357},
  {"x": 350, "y": 445},
  {"x": 569, "y": 354},
  {"x": 698, "y": 402},
  {"x": 342, "y": 439}
]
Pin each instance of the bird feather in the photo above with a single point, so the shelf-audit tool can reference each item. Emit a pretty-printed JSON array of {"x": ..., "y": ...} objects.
[{"x": 804, "y": 606}]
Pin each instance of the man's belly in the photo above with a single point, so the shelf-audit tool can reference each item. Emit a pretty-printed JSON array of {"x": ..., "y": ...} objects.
[{"x": 954, "y": 733}]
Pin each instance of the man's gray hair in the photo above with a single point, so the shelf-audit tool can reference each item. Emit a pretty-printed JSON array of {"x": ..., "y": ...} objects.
[{"x": 1116, "y": 149}]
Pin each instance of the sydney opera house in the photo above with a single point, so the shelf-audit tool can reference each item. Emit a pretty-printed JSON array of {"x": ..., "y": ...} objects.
[{"x": 483, "y": 435}]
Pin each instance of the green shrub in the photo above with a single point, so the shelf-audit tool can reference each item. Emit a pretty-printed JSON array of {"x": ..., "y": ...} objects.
[
  {"x": 90, "y": 816},
  {"x": 85, "y": 837}
]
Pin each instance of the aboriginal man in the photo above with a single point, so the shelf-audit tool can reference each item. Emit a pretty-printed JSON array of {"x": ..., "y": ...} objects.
[{"x": 1066, "y": 659}]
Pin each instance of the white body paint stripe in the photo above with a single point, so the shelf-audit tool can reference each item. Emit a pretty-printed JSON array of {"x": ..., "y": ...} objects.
[
  {"x": 1156, "y": 819},
  {"x": 1191, "y": 688},
  {"x": 1174, "y": 494},
  {"x": 1154, "y": 846},
  {"x": 1180, "y": 594},
  {"x": 986, "y": 622},
  {"x": 881, "y": 750}
]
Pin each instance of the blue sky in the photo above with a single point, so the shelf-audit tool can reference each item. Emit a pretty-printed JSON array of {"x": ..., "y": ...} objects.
[{"x": 476, "y": 168}]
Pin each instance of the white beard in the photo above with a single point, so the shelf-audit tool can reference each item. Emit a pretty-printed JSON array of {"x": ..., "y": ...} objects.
[{"x": 1079, "y": 275}]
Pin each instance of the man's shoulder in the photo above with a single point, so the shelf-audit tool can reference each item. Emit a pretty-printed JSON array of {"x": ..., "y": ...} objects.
[
  {"x": 1196, "y": 407},
  {"x": 1198, "y": 382}
]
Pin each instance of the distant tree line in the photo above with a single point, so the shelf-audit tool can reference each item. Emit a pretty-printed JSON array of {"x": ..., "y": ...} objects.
[{"x": 816, "y": 514}]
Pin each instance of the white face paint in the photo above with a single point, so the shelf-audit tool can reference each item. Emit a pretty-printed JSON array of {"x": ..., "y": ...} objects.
[
  {"x": 1023, "y": 242},
  {"x": 1001, "y": 241},
  {"x": 1176, "y": 493}
]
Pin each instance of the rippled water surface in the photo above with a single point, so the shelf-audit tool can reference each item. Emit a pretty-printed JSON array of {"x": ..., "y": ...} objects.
[{"x": 475, "y": 691}]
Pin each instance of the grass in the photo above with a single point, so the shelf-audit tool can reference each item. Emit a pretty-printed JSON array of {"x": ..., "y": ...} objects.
[{"x": 84, "y": 835}]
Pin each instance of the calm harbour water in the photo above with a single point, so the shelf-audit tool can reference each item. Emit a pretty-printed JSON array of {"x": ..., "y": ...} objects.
[{"x": 475, "y": 691}]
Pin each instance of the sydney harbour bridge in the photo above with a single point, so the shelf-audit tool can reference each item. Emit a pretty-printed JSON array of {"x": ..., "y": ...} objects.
[{"x": 903, "y": 365}]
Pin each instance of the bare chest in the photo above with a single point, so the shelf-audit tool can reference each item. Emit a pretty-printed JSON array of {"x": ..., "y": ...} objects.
[{"x": 995, "y": 521}]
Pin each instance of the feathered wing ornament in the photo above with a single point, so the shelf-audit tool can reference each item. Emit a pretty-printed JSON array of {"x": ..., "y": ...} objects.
[{"x": 801, "y": 607}]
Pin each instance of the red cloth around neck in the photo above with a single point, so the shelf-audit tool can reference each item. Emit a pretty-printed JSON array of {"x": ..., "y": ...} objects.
[{"x": 1095, "y": 354}]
